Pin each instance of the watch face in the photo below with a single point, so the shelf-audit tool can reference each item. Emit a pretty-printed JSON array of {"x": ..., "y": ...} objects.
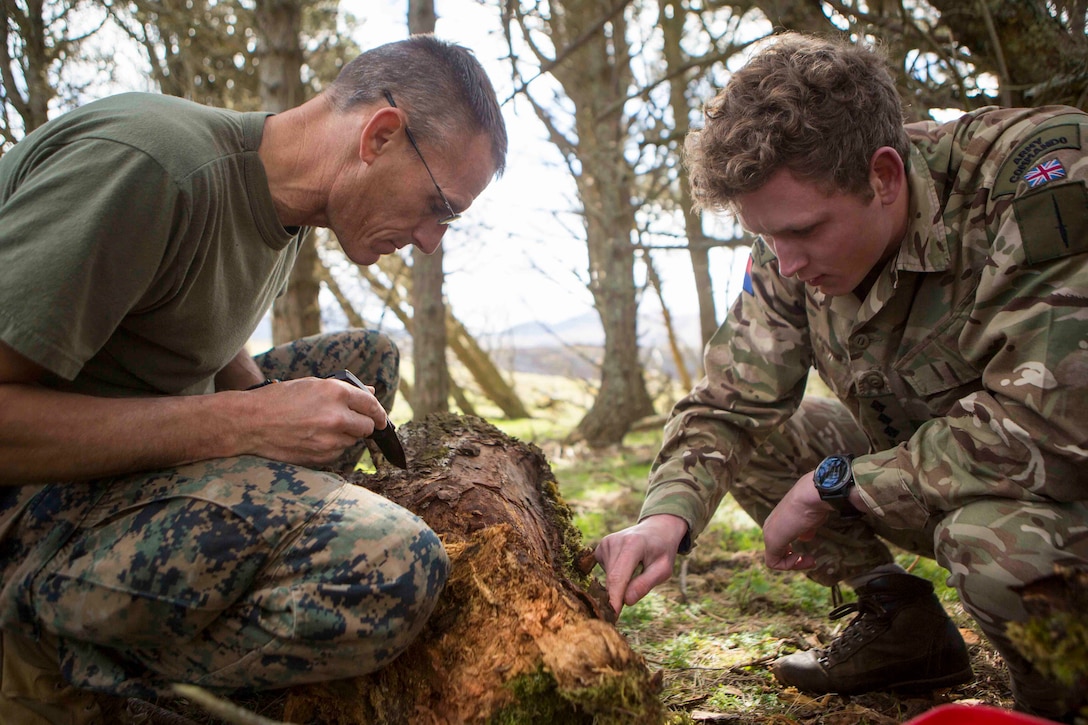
[{"x": 832, "y": 472}]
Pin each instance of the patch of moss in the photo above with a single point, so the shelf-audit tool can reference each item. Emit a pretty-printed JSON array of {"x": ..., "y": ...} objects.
[
  {"x": 562, "y": 517},
  {"x": 537, "y": 700},
  {"x": 1057, "y": 645},
  {"x": 628, "y": 698},
  {"x": 617, "y": 701}
]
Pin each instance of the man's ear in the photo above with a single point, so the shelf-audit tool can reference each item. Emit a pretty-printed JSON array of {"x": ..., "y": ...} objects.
[
  {"x": 378, "y": 131},
  {"x": 887, "y": 174}
]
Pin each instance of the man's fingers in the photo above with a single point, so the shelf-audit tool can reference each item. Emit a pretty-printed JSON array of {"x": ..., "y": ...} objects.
[
  {"x": 650, "y": 577},
  {"x": 790, "y": 561},
  {"x": 617, "y": 578}
]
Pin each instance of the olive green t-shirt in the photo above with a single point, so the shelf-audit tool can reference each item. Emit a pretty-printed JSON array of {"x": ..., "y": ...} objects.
[{"x": 139, "y": 245}]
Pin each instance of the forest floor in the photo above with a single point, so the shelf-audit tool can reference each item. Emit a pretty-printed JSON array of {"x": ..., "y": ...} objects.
[{"x": 713, "y": 630}]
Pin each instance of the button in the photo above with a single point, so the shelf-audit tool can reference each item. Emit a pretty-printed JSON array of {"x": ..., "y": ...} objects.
[
  {"x": 873, "y": 381},
  {"x": 860, "y": 341}
]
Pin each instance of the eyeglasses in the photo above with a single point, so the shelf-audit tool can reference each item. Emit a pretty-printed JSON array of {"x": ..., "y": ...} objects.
[{"x": 453, "y": 216}]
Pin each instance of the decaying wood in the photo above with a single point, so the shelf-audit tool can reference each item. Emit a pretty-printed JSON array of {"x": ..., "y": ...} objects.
[
  {"x": 1055, "y": 636},
  {"x": 520, "y": 634}
]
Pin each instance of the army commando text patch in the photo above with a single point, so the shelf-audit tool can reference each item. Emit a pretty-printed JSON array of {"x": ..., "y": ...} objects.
[{"x": 1023, "y": 160}]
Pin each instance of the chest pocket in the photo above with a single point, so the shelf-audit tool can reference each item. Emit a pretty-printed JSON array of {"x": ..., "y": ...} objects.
[{"x": 936, "y": 373}]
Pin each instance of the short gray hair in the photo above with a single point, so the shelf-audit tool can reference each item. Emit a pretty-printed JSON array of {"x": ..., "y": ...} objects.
[{"x": 440, "y": 85}]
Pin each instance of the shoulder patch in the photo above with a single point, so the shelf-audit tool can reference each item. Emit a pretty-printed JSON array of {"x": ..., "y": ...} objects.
[
  {"x": 1023, "y": 159},
  {"x": 747, "y": 286},
  {"x": 1053, "y": 221}
]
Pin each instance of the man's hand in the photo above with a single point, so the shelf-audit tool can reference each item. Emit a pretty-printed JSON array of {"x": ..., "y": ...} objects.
[
  {"x": 796, "y": 518},
  {"x": 651, "y": 542},
  {"x": 310, "y": 421}
]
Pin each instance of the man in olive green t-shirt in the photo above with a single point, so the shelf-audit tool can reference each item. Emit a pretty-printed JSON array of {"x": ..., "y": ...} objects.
[{"x": 162, "y": 518}]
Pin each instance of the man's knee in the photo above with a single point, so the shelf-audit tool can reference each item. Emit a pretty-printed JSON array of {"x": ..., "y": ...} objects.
[
  {"x": 365, "y": 571},
  {"x": 371, "y": 355},
  {"x": 993, "y": 545},
  {"x": 381, "y": 366}
]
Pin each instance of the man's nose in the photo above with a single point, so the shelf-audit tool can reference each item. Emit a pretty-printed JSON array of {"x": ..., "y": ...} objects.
[
  {"x": 789, "y": 261},
  {"x": 429, "y": 236}
]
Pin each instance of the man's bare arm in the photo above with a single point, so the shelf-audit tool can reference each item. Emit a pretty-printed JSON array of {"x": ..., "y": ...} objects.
[
  {"x": 240, "y": 373},
  {"x": 46, "y": 435}
]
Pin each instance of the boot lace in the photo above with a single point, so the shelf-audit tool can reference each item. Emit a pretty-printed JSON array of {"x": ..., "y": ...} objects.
[{"x": 860, "y": 631}]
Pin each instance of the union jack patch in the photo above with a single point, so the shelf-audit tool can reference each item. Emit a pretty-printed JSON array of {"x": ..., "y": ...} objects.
[{"x": 1044, "y": 172}]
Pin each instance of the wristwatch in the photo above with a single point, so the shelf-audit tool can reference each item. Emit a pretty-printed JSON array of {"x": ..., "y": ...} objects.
[{"x": 833, "y": 480}]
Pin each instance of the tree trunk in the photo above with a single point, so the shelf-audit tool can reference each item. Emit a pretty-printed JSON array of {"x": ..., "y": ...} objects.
[
  {"x": 595, "y": 73},
  {"x": 672, "y": 27},
  {"x": 519, "y": 634},
  {"x": 297, "y": 313},
  {"x": 429, "y": 334},
  {"x": 428, "y": 305},
  {"x": 33, "y": 109}
]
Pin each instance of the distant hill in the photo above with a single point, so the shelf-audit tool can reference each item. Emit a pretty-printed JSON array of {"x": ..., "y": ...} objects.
[
  {"x": 571, "y": 348},
  {"x": 587, "y": 330}
]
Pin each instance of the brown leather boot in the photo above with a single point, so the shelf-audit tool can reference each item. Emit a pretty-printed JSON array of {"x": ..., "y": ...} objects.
[
  {"x": 32, "y": 691},
  {"x": 902, "y": 639}
]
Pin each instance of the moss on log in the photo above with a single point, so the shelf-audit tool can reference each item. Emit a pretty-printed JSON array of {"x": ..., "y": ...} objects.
[{"x": 1055, "y": 636}]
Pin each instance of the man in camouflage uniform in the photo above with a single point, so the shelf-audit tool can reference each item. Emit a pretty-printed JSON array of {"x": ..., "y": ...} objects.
[
  {"x": 937, "y": 282},
  {"x": 164, "y": 516}
]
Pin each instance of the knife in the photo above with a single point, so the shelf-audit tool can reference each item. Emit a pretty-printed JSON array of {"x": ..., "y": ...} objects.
[{"x": 386, "y": 439}]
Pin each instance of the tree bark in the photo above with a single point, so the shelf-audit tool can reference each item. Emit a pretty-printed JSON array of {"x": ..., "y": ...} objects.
[
  {"x": 672, "y": 28},
  {"x": 432, "y": 390},
  {"x": 297, "y": 313},
  {"x": 596, "y": 75},
  {"x": 519, "y": 634}
]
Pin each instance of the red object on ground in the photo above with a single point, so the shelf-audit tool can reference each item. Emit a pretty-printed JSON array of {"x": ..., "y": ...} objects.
[{"x": 974, "y": 715}]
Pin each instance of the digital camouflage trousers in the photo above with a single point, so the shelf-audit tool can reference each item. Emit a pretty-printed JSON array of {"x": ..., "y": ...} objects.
[
  {"x": 232, "y": 573},
  {"x": 989, "y": 546}
]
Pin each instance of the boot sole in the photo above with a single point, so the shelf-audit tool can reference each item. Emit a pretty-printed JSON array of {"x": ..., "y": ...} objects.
[{"x": 914, "y": 686}]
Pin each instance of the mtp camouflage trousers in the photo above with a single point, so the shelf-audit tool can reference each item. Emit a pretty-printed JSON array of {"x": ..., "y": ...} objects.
[
  {"x": 989, "y": 546},
  {"x": 231, "y": 573}
]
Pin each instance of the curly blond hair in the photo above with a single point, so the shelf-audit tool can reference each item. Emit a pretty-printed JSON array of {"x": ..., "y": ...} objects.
[{"x": 818, "y": 107}]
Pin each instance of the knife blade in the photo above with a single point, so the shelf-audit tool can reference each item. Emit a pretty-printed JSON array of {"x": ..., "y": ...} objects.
[{"x": 386, "y": 439}]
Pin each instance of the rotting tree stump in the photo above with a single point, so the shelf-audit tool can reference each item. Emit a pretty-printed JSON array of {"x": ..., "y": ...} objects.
[
  {"x": 521, "y": 633},
  {"x": 1055, "y": 636}
]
